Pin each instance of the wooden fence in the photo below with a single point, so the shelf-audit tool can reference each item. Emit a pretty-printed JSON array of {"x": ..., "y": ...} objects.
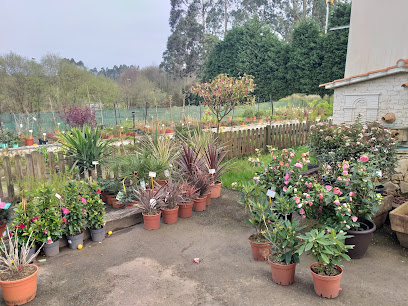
[
  {"x": 244, "y": 142},
  {"x": 239, "y": 143}
]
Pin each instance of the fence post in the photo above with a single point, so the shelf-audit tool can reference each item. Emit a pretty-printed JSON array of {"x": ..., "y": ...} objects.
[{"x": 9, "y": 178}]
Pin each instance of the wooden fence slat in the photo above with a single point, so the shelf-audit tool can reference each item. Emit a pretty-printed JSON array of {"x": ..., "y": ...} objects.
[
  {"x": 51, "y": 162},
  {"x": 61, "y": 162},
  {"x": 19, "y": 169},
  {"x": 1, "y": 188},
  {"x": 36, "y": 165},
  {"x": 9, "y": 178}
]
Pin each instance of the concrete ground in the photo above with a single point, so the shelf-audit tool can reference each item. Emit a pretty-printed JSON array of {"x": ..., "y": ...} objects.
[{"x": 139, "y": 267}]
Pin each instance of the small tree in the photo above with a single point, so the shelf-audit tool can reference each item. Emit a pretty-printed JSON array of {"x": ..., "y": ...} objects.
[
  {"x": 223, "y": 93},
  {"x": 77, "y": 116}
]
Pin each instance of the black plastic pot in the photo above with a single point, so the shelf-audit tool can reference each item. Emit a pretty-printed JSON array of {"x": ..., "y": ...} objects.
[
  {"x": 380, "y": 189},
  {"x": 361, "y": 239}
]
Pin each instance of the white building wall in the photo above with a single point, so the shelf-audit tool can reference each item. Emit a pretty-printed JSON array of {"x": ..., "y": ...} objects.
[
  {"x": 378, "y": 35},
  {"x": 385, "y": 92}
]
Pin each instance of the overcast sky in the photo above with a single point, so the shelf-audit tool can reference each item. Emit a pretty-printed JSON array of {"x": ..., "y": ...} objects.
[{"x": 101, "y": 33}]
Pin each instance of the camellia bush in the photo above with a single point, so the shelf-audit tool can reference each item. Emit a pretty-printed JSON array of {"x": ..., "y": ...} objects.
[
  {"x": 334, "y": 143},
  {"x": 223, "y": 93}
]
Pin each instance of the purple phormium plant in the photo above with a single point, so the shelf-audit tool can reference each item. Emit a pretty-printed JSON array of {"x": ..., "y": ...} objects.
[
  {"x": 78, "y": 116},
  {"x": 213, "y": 158}
]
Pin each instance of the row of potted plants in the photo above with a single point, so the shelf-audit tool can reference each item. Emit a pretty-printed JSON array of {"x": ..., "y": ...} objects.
[{"x": 342, "y": 201}]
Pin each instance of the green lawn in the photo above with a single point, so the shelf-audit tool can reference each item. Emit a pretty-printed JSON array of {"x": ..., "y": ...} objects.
[{"x": 242, "y": 170}]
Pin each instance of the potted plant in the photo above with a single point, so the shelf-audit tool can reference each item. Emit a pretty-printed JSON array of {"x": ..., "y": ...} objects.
[
  {"x": 109, "y": 188},
  {"x": 187, "y": 202},
  {"x": 29, "y": 140},
  {"x": 50, "y": 228},
  {"x": 399, "y": 223},
  {"x": 172, "y": 197},
  {"x": 328, "y": 248},
  {"x": 201, "y": 181},
  {"x": 149, "y": 201},
  {"x": 95, "y": 212},
  {"x": 18, "y": 279},
  {"x": 282, "y": 236},
  {"x": 214, "y": 156},
  {"x": 73, "y": 205}
]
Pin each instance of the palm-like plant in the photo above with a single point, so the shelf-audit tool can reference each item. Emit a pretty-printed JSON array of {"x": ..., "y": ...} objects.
[
  {"x": 213, "y": 158},
  {"x": 173, "y": 194},
  {"x": 189, "y": 162},
  {"x": 85, "y": 145}
]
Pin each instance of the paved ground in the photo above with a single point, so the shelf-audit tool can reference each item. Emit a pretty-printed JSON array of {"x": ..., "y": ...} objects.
[{"x": 138, "y": 267}]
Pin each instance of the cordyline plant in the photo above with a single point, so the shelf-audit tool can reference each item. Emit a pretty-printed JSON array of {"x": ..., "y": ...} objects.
[
  {"x": 223, "y": 93},
  {"x": 149, "y": 200}
]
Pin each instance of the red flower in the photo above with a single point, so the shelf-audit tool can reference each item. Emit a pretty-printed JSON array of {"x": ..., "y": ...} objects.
[
  {"x": 22, "y": 225},
  {"x": 64, "y": 220},
  {"x": 98, "y": 192}
]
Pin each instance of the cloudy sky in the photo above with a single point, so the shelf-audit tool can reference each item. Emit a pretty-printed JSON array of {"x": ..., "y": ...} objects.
[{"x": 101, "y": 33}]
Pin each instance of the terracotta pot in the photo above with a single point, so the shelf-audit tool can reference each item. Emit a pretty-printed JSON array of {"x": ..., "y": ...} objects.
[
  {"x": 389, "y": 118},
  {"x": 162, "y": 131},
  {"x": 185, "y": 210},
  {"x": 170, "y": 215},
  {"x": 29, "y": 141},
  {"x": 208, "y": 199},
  {"x": 199, "y": 204},
  {"x": 361, "y": 240},
  {"x": 229, "y": 118},
  {"x": 151, "y": 222},
  {"x": 131, "y": 204},
  {"x": 21, "y": 291},
  {"x": 115, "y": 204},
  {"x": 242, "y": 123},
  {"x": 260, "y": 250},
  {"x": 254, "y": 118},
  {"x": 161, "y": 182},
  {"x": 169, "y": 131},
  {"x": 104, "y": 196},
  {"x": 326, "y": 286},
  {"x": 283, "y": 274},
  {"x": 2, "y": 229},
  {"x": 110, "y": 198},
  {"x": 260, "y": 120},
  {"x": 248, "y": 119},
  {"x": 216, "y": 190}
]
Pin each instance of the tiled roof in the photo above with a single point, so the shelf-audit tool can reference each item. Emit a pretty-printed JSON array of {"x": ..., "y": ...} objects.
[{"x": 402, "y": 63}]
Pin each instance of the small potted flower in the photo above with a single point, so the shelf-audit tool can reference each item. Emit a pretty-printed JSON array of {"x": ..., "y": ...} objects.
[
  {"x": 74, "y": 213},
  {"x": 328, "y": 248},
  {"x": 282, "y": 235},
  {"x": 95, "y": 212},
  {"x": 201, "y": 181},
  {"x": 18, "y": 279},
  {"x": 150, "y": 202},
  {"x": 29, "y": 140},
  {"x": 172, "y": 197}
]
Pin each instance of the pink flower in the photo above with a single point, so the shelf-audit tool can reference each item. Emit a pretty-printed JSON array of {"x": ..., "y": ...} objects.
[
  {"x": 297, "y": 200},
  {"x": 348, "y": 226},
  {"x": 350, "y": 199},
  {"x": 337, "y": 202},
  {"x": 286, "y": 177},
  {"x": 352, "y": 194},
  {"x": 364, "y": 158},
  {"x": 292, "y": 154},
  {"x": 45, "y": 231},
  {"x": 354, "y": 218},
  {"x": 83, "y": 200},
  {"x": 328, "y": 187},
  {"x": 339, "y": 178},
  {"x": 64, "y": 220},
  {"x": 286, "y": 182},
  {"x": 65, "y": 210},
  {"x": 256, "y": 179},
  {"x": 345, "y": 172},
  {"x": 298, "y": 165},
  {"x": 300, "y": 239},
  {"x": 299, "y": 205},
  {"x": 49, "y": 240},
  {"x": 345, "y": 167},
  {"x": 302, "y": 211},
  {"x": 303, "y": 217},
  {"x": 285, "y": 188},
  {"x": 321, "y": 196},
  {"x": 337, "y": 191},
  {"x": 98, "y": 192}
]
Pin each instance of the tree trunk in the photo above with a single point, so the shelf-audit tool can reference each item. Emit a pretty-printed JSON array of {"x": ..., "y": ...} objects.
[
  {"x": 225, "y": 16},
  {"x": 304, "y": 9}
]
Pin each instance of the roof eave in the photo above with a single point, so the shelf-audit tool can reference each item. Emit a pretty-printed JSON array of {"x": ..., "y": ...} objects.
[{"x": 380, "y": 74}]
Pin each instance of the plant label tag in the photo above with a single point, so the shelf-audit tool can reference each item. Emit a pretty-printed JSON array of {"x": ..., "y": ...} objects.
[
  {"x": 211, "y": 171},
  {"x": 153, "y": 203},
  {"x": 379, "y": 173},
  {"x": 152, "y": 174},
  {"x": 58, "y": 196},
  {"x": 143, "y": 184},
  {"x": 35, "y": 119},
  {"x": 271, "y": 193},
  {"x": 95, "y": 162},
  {"x": 166, "y": 173},
  {"x": 21, "y": 125},
  {"x": 171, "y": 165}
]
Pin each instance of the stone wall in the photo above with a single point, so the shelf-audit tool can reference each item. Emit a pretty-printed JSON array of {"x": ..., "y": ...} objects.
[
  {"x": 399, "y": 180},
  {"x": 373, "y": 99}
]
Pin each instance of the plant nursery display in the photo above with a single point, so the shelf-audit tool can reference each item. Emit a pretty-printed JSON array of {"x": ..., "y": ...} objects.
[{"x": 150, "y": 201}]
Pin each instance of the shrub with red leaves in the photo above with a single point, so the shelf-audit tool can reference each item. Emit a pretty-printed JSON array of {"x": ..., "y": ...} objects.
[{"x": 78, "y": 116}]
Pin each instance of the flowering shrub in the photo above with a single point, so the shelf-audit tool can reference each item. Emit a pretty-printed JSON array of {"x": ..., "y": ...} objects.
[
  {"x": 335, "y": 143},
  {"x": 73, "y": 208},
  {"x": 346, "y": 198},
  {"x": 25, "y": 223},
  {"x": 94, "y": 207},
  {"x": 282, "y": 171}
]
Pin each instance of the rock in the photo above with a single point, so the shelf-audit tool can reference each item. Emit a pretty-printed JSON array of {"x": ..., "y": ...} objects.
[
  {"x": 398, "y": 177},
  {"x": 391, "y": 187},
  {"x": 404, "y": 187},
  {"x": 402, "y": 166}
]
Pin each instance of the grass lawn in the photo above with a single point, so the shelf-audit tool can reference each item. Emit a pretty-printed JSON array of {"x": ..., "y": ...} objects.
[{"x": 243, "y": 170}]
